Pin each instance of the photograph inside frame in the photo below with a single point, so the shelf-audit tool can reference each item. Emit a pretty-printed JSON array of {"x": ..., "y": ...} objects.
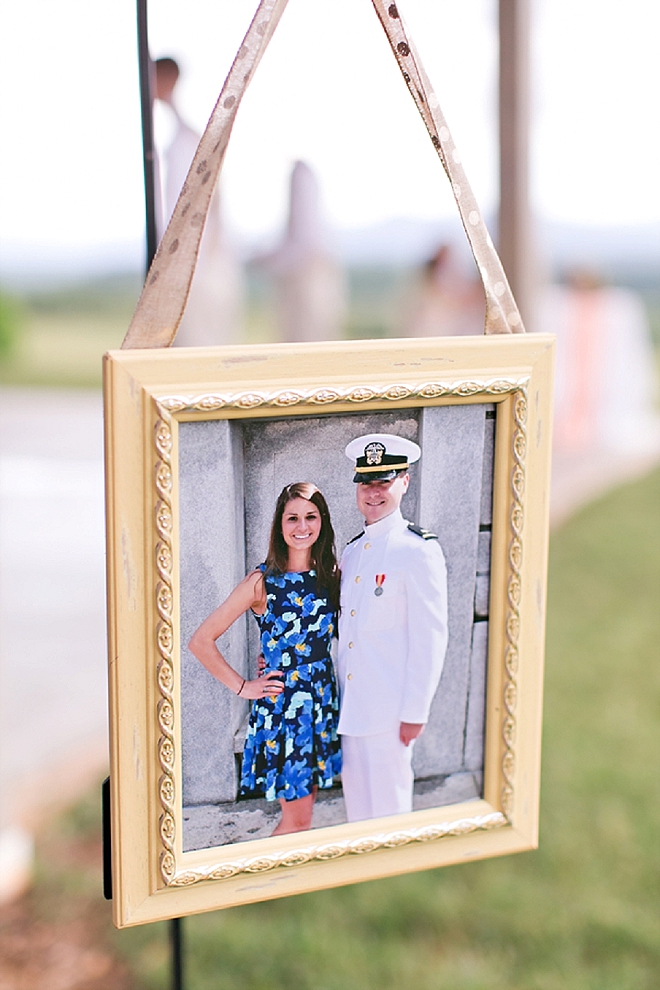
[{"x": 231, "y": 472}]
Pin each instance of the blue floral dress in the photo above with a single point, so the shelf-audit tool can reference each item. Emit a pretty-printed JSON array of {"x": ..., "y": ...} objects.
[{"x": 292, "y": 743}]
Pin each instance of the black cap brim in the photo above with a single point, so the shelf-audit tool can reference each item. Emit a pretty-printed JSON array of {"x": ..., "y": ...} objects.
[{"x": 366, "y": 477}]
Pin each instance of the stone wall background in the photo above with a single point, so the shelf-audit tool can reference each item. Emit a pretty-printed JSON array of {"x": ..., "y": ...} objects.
[{"x": 231, "y": 472}]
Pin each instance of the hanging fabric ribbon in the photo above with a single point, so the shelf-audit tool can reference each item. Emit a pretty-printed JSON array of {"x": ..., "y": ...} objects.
[{"x": 163, "y": 299}]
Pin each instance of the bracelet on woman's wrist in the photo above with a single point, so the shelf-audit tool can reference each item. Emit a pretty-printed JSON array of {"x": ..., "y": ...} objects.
[{"x": 241, "y": 688}]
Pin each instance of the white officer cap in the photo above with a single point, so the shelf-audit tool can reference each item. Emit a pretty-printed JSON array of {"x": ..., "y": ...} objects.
[{"x": 380, "y": 456}]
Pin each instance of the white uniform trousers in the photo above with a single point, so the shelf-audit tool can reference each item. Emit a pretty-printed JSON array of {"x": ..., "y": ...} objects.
[{"x": 377, "y": 775}]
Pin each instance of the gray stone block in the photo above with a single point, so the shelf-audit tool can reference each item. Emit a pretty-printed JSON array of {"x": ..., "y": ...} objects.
[
  {"x": 212, "y": 554},
  {"x": 452, "y": 440},
  {"x": 206, "y": 826},
  {"x": 440, "y": 791},
  {"x": 210, "y": 825},
  {"x": 481, "y": 595},
  {"x": 476, "y": 713},
  {"x": 483, "y": 552},
  {"x": 486, "y": 515}
]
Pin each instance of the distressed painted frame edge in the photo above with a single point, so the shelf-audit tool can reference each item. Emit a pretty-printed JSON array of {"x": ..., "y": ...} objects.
[{"x": 139, "y": 387}]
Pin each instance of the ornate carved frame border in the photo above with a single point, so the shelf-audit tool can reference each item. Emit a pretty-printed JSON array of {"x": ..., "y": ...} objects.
[{"x": 167, "y": 406}]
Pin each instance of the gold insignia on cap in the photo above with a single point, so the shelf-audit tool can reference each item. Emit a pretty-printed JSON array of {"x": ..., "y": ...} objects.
[{"x": 374, "y": 453}]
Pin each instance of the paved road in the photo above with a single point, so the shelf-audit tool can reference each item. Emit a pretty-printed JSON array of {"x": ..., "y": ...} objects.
[{"x": 53, "y": 721}]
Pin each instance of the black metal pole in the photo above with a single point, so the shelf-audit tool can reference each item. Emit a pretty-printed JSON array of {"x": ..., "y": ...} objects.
[
  {"x": 176, "y": 942},
  {"x": 107, "y": 841},
  {"x": 148, "y": 158},
  {"x": 148, "y": 151}
]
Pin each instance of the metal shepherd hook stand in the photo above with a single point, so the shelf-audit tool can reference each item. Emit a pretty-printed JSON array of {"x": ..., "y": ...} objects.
[
  {"x": 148, "y": 158},
  {"x": 148, "y": 148}
]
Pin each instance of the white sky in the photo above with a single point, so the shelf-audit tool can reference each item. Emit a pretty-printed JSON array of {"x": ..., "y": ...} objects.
[{"x": 328, "y": 91}]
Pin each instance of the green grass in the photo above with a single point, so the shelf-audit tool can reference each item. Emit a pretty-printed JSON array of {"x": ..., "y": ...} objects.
[
  {"x": 58, "y": 337},
  {"x": 63, "y": 350},
  {"x": 581, "y": 913}
]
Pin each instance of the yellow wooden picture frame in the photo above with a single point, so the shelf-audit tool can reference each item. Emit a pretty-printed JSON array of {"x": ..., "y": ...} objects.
[{"x": 148, "y": 394}]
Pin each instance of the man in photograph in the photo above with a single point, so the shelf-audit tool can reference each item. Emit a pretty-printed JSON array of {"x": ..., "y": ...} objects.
[{"x": 392, "y": 632}]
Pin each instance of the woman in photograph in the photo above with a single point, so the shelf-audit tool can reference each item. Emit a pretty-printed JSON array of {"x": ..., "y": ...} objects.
[{"x": 291, "y": 747}]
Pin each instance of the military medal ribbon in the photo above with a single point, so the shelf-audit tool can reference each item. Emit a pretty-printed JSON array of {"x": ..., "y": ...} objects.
[{"x": 380, "y": 580}]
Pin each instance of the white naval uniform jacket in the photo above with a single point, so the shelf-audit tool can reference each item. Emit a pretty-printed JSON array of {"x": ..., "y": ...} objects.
[{"x": 391, "y": 646}]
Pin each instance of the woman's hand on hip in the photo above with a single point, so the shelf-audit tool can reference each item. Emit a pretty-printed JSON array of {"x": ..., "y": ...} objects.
[{"x": 267, "y": 685}]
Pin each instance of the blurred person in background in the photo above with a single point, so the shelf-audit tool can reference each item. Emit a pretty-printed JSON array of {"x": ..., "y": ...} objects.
[
  {"x": 310, "y": 283},
  {"x": 606, "y": 380},
  {"x": 214, "y": 309},
  {"x": 445, "y": 301}
]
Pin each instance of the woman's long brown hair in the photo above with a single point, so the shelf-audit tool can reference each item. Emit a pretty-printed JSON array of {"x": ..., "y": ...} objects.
[{"x": 323, "y": 554}]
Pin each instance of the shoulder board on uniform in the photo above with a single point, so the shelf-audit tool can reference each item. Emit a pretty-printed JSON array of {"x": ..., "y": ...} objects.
[
  {"x": 354, "y": 539},
  {"x": 424, "y": 533}
]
